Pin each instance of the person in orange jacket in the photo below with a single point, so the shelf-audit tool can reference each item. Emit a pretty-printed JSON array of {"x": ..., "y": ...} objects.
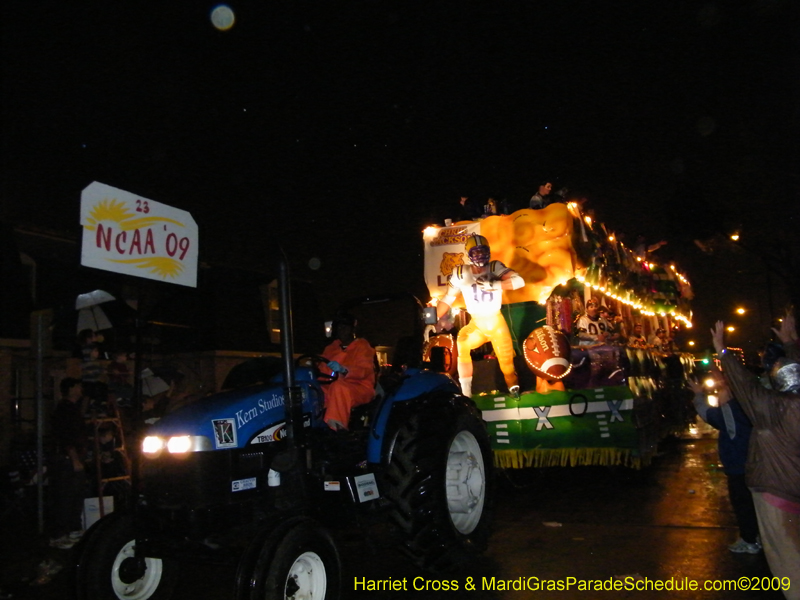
[{"x": 353, "y": 358}]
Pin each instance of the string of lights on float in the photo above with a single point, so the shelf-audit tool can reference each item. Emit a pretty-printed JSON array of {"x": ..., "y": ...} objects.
[
  {"x": 592, "y": 276},
  {"x": 617, "y": 292}
]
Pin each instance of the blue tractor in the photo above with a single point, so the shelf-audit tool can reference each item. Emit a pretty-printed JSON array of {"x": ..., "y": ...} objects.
[{"x": 249, "y": 476}]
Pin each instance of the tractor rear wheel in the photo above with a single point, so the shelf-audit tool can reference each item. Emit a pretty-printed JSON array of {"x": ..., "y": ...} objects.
[{"x": 438, "y": 479}]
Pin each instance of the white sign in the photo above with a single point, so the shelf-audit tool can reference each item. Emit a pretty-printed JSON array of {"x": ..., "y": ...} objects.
[
  {"x": 128, "y": 234},
  {"x": 367, "y": 487},
  {"x": 444, "y": 250},
  {"x": 243, "y": 484}
]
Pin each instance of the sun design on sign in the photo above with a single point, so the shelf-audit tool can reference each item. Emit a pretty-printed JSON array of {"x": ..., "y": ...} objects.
[
  {"x": 112, "y": 210},
  {"x": 158, "y": 265},
  {"x": 118, "y": 212}
]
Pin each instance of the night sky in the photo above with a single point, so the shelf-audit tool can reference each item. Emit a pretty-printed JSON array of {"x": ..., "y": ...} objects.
[{"x": 340, "y": 129}]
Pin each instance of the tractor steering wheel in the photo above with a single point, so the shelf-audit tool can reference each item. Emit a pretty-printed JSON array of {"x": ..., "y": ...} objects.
[{"x": 313, "y": 361}]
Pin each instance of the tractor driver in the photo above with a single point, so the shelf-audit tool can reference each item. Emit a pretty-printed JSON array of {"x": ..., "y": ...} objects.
[
  {"x": 482, "y": 283},
  {"x": 354, "y": 360}
]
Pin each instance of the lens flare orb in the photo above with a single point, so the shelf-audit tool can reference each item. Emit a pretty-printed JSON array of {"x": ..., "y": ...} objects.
[{"x": 222, "y": 17}]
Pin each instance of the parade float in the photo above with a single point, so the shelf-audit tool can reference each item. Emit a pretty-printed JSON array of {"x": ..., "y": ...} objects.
[{"x": 611, "y": 404}]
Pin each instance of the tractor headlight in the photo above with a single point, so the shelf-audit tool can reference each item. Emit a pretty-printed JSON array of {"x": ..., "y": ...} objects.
[
  {"x": 152, "y": 444},
  {"x": 179, "y": 444}
]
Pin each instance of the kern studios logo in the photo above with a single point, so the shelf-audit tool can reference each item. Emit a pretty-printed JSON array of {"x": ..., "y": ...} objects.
[{"x": 224, "y": 433}]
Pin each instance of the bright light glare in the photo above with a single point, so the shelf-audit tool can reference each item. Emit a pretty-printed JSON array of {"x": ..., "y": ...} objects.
[
  {"x": 712, "y": 400},
  {"x": 731, "y": 328},
  {"x": 222, "y": 17},
  {"x": 179, "y": 444},
  {"x": 741, "y": 311},
  {"x": 709, "y": 383},
  {"x": 735, "y": 237},
  {"x": 691, "y": 342},
  {"x": 152, "y": 444}
]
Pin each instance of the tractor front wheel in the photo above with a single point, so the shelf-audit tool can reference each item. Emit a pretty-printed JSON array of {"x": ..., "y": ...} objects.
[
  {"x": 297, "y": 562},
  {"x": 108, "y": 568}
]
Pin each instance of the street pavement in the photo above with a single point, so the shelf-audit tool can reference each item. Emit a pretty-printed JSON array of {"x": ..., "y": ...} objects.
[{"x": 668, "y": 524}]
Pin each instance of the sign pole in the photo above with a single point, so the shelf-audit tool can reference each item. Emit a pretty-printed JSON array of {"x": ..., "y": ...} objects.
[
  {"x": 137, "y": 398},
  {"x": 40, "y": 420}
]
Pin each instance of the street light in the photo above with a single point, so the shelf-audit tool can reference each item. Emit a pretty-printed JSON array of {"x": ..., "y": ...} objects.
[{"x": 740, "y": 310}]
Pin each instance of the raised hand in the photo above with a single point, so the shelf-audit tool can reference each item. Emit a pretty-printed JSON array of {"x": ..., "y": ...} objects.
[
  {"x": 787, "y": 332},
  {"x": 718, "y": 336}
]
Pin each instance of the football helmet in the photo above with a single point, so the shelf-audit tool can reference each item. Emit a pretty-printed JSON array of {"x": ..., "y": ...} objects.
[{"x": 478, "y": 251}]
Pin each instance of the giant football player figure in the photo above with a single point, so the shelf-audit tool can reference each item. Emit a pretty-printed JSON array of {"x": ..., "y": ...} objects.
[{"x": 482, "y": 283}]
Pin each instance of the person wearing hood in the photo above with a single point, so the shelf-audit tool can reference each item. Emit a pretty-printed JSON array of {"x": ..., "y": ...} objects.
[{"x": 352, "y": 358}]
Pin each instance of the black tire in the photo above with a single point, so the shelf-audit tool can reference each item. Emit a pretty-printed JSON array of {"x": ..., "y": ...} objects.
[
  {"x": 299, "y": 561},
  {"x": 439, "y": 480},
  {"x": 100, "y": 573}
]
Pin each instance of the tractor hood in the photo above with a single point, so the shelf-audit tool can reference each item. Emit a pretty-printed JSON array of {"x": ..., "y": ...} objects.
[{"x": 235, "y": 419}]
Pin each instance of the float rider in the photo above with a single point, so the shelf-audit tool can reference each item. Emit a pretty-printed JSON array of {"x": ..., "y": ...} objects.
[
  {"x": 481, "y": 283},
  {"x": 353, "y": 359},
  {"x": 591, "y": 329}
]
